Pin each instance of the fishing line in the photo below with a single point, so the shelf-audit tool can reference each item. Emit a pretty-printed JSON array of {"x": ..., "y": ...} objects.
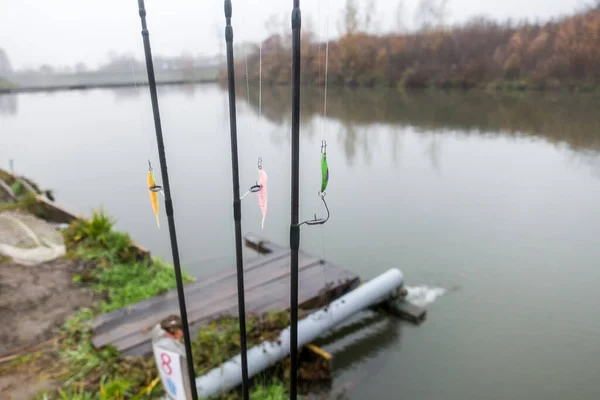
[
  {"x": 248, "y": 97},
  {"x": 260, "y": 81},
  {"x": 323, "y": 149},
  {"x": 247, "y": 81},
  {"x": 153, "y": 188},
  {"x": 324, "y": 165},
  {"x": 141, "y": 114},
  {"x": 260, "y": 187}
]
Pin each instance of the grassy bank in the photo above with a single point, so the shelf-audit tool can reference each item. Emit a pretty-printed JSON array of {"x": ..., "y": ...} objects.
[
  {"x": 109, "y": 265},
  {"x": 5, "y": 84}
]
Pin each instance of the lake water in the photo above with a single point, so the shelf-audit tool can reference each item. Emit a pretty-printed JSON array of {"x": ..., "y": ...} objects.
[{"x": 494, "y": 200}]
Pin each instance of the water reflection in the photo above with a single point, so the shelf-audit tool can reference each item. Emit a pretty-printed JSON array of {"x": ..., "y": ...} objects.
[
  {"x": 127, "y": 93},
  {"x": 8, "y": 104},
  {"x": 131, "y": 92},
  {"x": 365, "y": 342},
  {"x": 377, "y": 332},
  {"x": 557, "y": 118},
  {"x": 433, "y": 151}
]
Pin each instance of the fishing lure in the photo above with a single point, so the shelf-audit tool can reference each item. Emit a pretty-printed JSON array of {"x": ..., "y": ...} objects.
[
  {"x": 324, "y": 182},
  {"x": 262, "y": 195},
  {"x": 153, "y": 189},
  {"x": 324, "y": 167},
  {"x": 260, "y": 188}
]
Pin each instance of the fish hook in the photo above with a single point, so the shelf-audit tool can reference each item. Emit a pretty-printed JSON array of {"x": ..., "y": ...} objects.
[{"x": 318, "y": 221}]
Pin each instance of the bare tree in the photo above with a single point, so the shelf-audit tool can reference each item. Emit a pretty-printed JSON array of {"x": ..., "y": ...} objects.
[
  {"x": 370, "y": 19},
  {"x": 432, "y": 14},
  {"x": 399, "y": 18},
  {"x": 349, "y": 23},
  {"x": 272, "y": 24}
]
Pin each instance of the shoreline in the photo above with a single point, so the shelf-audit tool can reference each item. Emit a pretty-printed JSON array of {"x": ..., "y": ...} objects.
[
  {"x": 103, "y": 270},
  {"x": 89, "y": 86}
]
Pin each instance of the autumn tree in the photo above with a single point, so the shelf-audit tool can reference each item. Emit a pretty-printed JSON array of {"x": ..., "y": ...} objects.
[{"x": 479, "y": 53}]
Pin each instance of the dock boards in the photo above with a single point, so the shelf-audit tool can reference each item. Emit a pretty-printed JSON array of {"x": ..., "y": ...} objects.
[{"x": 267, "y": 286}]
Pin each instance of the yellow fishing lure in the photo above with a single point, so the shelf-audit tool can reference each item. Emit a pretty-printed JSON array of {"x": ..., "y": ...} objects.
[{"x": 153, "y": 189}]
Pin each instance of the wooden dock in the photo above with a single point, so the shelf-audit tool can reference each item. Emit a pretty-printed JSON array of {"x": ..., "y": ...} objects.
[{"x": 267, "y": 286}]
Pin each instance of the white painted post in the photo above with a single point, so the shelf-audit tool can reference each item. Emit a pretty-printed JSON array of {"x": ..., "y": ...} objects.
[{"x": 169, "y": 354}]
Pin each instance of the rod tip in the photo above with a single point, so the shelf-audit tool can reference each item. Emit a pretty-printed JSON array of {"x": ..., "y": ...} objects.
[{"x": 228, "y": 8}]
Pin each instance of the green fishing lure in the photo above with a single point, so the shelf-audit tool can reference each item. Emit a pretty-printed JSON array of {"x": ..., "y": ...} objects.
[{"x": 324, "y": 172}]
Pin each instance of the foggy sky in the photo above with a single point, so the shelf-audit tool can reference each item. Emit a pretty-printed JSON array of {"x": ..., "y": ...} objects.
[{"x": 63, "y": 32}]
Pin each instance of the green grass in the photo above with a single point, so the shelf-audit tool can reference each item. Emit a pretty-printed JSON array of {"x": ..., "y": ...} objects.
[
  {"x": 274, "y": 391},
  {"x": 5, "y": 84},
  {"x": 117, "y": 272},
  {"x": 18, "y": 188},
  {"x": 129, "y": 283},
  {"x": 120, "y": 276},
  {"x": 220, "y": 341}
]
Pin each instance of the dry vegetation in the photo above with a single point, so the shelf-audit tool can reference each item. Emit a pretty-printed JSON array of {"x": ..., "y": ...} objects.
[{"x": 563, "y": 54}]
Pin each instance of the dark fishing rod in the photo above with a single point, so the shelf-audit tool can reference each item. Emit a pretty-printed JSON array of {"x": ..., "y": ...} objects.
[
  {"x": 237, "y": 209},
  {"x": 168, "y": 201},
  {"x": 295, "y": 227}
]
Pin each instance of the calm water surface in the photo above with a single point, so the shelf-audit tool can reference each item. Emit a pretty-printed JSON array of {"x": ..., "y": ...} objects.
[{"x": 495, "y": 200}]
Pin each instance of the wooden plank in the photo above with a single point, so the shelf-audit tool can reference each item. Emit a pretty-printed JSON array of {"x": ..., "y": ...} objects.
[
  {"x": 204, "y": 297},
  {"x": 277, "y": 299},
  {"x": 256, "y": 302},
  {"x": 309, "y": 296},
  {"x": 28, "y": 185},
  {"x": 9, "y": 192},
  {"x": 155, "y": 304},
  {"x": 406, "y": 310},
  {"x": 319, "y": 351},
  {"x": 267, "y": 288},
  {"x": 226, "y": 306},
  {"x": 261, "y": 244}
]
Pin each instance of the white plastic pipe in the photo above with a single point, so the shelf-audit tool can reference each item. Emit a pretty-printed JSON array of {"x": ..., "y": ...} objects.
[{"x": 262, "y": 356}]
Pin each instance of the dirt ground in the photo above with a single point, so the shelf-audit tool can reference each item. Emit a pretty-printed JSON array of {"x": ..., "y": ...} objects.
[{"x": 34, "y": 301}]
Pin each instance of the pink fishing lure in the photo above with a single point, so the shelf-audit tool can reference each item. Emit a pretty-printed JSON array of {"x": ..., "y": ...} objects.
[{"x": 262, "y": 195}]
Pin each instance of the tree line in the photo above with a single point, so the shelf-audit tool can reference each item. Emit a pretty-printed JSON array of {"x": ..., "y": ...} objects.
[{"x": 480, "y": 53}]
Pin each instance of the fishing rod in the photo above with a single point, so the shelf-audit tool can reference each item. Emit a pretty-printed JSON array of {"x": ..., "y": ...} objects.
[
  {"x": 168, "y": 201},
  {"x": 295, "y": 184},
  {"x": 237, "y": 210},
  {"x": 295, "y": 227}
]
